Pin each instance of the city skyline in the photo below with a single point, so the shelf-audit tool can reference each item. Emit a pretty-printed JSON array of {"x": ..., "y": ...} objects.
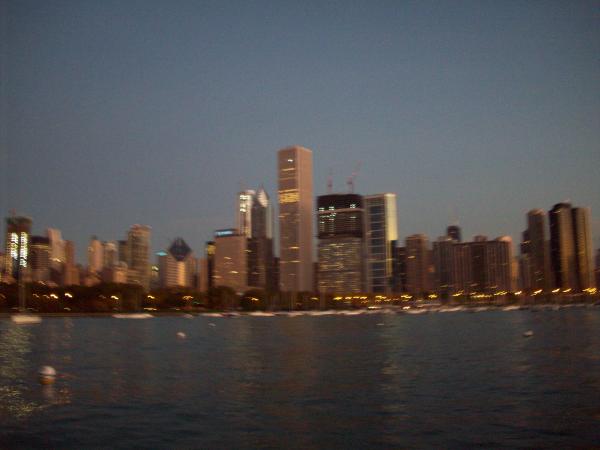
[{"x": 471, "y": 112}]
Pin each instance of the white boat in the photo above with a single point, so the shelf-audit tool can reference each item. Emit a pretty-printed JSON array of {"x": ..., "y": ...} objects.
[
  {"x": 25, "y": 319},
  {"x": 511, "y": 308},
  {"x": 133, "y": 316},
  {"x": 212, "y": 314},
  {"x": 415, "y": 311},
  {"x": 261, "y": 314}
]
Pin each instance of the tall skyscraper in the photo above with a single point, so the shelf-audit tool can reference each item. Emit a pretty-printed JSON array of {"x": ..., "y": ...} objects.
[
  {"x": 380, "y": 231},
  {"x": 138, "y": 245},
  {"x": 539, "y": 259},
  {"x": 230, "y": 260},
  {"x": 244, "y": 213},
  {"x": 260, "y": 243},
  {"x": 110, "y": 254},
  {"x": 95, "y": 255},
  {"x": 562, "y": 248},
  {"x": 582, "y": 238},
  {"x": 417, "y": 265},
  {"x": 209, "y": 252},
  {"x": 295, "y": 219},
  {"x": 340, "y": 219},
  {"x": 18, "y": 234},
  {"x": 453, "y": 231},
  {"x": 70, "y": 271}
]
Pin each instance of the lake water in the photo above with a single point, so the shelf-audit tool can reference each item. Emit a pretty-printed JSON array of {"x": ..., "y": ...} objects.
[{"x": 432, "y": 380}]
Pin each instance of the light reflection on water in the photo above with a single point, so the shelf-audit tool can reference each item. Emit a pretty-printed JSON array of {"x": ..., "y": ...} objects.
[{"x": 360, "y": 381}]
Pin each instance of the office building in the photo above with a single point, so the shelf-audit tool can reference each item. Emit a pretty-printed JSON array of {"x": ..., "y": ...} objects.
[
  {"x": 537, "y": 250},
  {"x": 453, "y": 231},
  {"x": 244, "y": 212},
  {"x": 443, "y": 249},
  {"x": 260, "y": 242},
  {"x": 40, "y": 259},
  {"x": 70, "y": 270},
  {"x": 381, "y": 230},
  {"x": 95, "y": 255},
  {"x": 295, "y": 184},
  {"x": 18, "y": 234},
  {"x": 230, "y": 260},
  {"x": 417, "y": 265},
  {"x": 584, "y": 258},
  {"x": 340, "y": 222},
  {"x": 138, "y": 249},
  {"x": 176, "y": 266},
  {"x": 562, "y": 248}
]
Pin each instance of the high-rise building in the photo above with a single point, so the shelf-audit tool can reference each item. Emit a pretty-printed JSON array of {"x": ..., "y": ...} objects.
[
  {"x": 95, "y": 255},
  {"x": 260, "y": 243},
  {"x": 499, "y": 260},
  {"x": 539, "y": 259},
  {"x": 562, "y": 247},
  {"x": 340, "y": 226},
  {"x": 230, "y": 260},
  {"x": 417, "y": 265},
  {"x": 244, "y": 213},
  {"x": 40, "y": 258},
  {"x": 453, "y": 231},
  {"x": 582, "y": 238},
  {"x": 123, "y": 251},
  {"x": 381, "y": 229},
  {"x": 442, "y": 260},
  {"x": 399, "y": 280},
  {"x": 70, "y": 271},
  {"x": 138, "y": 245},
  {"x": 295, "y": 182},
  {"x": 597, "y": 271},
  {"x": 176, "y": 266},
  {"x": 57, "y": 249},
  {"x": 18, "y": 234},
  {"x": 209, "y": 251},
  {"x": 110, "y": 254}
]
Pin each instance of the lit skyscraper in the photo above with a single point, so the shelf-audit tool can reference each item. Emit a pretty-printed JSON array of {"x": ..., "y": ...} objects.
[
  {"x": 18, "y": 234},
  {"x": 380, "y": 231},
  {"x": 230, "y": 260},
  {"x": 295, "y": 181},
  {"x": 341, "y": 243},
  {"x": 244, "y": 213},
  {"x": 176, "y": 266},
  {"x": 562, "y": 249}
]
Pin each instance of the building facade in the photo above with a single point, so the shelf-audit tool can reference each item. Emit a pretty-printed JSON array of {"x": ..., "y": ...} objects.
[
  {"x": 340, "y": 227},
  {"x": 230, "y": 267},
  {"x": 417, "y": 265},
  {"x": 138, "y": 251},
  {"x": 381, "y": 230},
  {"x": 18, "y": 235},
  {"x": 295, "y": 196}
]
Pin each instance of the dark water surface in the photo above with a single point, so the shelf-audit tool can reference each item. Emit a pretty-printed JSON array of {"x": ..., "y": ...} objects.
[{"x": 434, "y": 380}]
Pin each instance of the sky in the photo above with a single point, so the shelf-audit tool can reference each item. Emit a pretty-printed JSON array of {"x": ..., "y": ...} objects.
[{"x": 156, "y": 112}]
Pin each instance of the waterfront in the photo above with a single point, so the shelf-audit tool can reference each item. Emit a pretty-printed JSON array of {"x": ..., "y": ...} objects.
[{"x": 375, "y": 380}]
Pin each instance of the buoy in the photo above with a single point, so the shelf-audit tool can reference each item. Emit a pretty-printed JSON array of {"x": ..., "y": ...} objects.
[
  {"x": 47, "y": 375},
  {"x": 181, "y": 335},
  {"x": 528, "y": 333}
]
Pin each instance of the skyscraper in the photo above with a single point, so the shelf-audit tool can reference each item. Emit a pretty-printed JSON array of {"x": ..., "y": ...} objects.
[
  {"x": 176, "y": 266},
  {"x": 230, "y": 260},
  {"x": 340, "y": 223},
  {"x": 295, "y": 219},
  {"x": 380, "y": 231},
  {"x": 210, "y": 249},
  {"x": 18, "y": 234},
  {"x": 584, "y": 266},
  {"x": 453, "y": 231},
  {"x": 40, "y": 258},
  {"x": 260, "y": 242},
  {"x": 138, "y": 246},
  {"x": 442, "y": 260},
  {"x": 562, "y": 248},
  {"x": 417, "y": 264},
  {"x": 539, "y": 259},
  {"x": 244, "y": 213},
  {"x": 95, "y": 255}
]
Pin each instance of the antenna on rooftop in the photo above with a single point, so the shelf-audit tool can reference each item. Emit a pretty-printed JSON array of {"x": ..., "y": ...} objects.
[
  {"x": 330, "y": 181},
  {"x": 352, "y": 177}
]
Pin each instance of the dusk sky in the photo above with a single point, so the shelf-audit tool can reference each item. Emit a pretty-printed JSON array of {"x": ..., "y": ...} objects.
[{"x": 124, "y": 112}]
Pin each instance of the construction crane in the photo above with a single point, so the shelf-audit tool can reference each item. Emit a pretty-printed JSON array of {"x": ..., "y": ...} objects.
[{"x": 352, "y": 177}]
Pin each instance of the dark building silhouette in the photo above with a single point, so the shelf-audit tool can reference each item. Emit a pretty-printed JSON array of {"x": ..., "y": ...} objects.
[{"x": 453, "y": 231}]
